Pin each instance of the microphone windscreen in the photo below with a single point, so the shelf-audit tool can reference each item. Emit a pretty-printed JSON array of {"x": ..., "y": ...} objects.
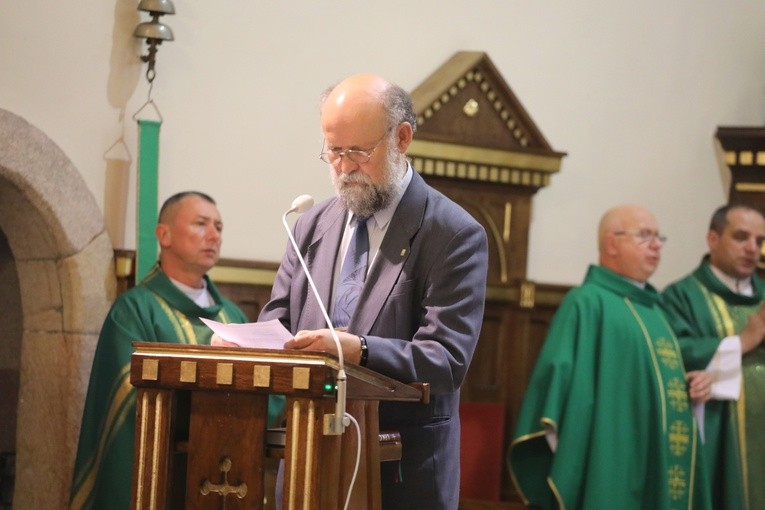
[{"x": 302, "y": 203}]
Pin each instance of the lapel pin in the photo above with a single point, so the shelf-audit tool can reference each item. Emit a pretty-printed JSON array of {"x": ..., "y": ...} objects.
[{"x": 403, "y": 251}]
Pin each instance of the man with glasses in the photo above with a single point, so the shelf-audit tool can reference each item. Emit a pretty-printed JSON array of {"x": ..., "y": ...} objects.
[
  {"x": 718, "y": 316},
  {"x": 421, "y": 262},
  {"x": 606, "y": 420}
]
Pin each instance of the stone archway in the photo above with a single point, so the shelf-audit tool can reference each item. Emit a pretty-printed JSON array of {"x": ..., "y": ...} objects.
[{"x": 64, "y": 262}]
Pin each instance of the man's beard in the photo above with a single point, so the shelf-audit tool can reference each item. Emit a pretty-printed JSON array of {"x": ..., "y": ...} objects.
[{"x": 368, "y": 198}]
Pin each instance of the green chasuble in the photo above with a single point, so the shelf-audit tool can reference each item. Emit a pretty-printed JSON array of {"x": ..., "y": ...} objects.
[
  {"x": 703, "y": 311},
  {"x": 610, "y": 384},
  {"x": 153, "y": 311}
]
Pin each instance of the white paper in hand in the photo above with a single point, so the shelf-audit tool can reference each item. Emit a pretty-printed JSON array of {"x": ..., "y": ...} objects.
[{"x": 262, "y": 335}]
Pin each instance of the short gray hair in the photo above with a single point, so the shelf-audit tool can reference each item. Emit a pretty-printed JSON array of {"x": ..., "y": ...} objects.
[{"x": 399, "y": 107}]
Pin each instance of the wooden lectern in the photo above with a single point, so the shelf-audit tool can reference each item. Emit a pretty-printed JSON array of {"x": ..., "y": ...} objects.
[{"x": 201, "y": 438}]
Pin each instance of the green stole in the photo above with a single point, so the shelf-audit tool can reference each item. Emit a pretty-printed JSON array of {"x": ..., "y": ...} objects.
[{"x": 679, "y": 428}]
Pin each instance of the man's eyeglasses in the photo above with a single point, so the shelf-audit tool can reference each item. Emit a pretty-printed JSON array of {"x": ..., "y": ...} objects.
[
  {"x": 358, "y": 156},
  {"x": 643, "y": 236}
]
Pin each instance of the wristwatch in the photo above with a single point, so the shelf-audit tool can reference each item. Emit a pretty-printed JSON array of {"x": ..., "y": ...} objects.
[{"x": 364, "y": 351}]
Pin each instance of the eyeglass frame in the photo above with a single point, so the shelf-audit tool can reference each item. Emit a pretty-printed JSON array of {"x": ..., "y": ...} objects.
[
  {"x": 368, "y": 153},
  {"x": 643, "y": 236}
]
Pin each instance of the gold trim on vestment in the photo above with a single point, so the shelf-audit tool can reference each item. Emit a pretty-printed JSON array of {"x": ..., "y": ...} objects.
[
  {"x": 169, "y": 312},
  {"x": 656, "y": 368},
  {"x": 120, "y": 397},
  {"x": 556, "y": 493},
  {"x": 548, "y": 423},
  {"x": 718, "y": 308},
  {"x": 513, "y": 444},
  {"x": 741, "y": 412}
]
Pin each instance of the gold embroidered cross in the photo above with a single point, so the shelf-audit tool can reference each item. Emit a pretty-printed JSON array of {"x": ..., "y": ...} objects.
[
  {"x": 678, "y": 482},
  {"x": 667, "y": 353},
  {"x": 679, "y": 438},
  {"x": 677, "y": 394}
]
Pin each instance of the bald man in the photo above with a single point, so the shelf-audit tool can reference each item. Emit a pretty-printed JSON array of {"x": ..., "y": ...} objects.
[
  {"x": 420, "y": 299},
  {"x": 606, "y": 421}
]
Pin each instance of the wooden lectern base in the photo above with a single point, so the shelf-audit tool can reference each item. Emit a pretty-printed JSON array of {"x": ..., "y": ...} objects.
[{"x": 201, "y": 416}]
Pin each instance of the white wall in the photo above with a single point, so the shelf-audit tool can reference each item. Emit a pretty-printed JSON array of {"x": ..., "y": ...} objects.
[{"x": 632, "y": 91}]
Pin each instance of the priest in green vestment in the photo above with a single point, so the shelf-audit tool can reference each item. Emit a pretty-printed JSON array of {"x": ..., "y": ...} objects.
[
  {"x": 606, "y": 421},
  {"x": 717, "y": 314},
  {"x": 164, "y": 307}
]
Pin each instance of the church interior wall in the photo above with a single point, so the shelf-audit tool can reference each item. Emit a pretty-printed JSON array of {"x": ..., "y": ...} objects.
[{"x": 632, "y": 93}]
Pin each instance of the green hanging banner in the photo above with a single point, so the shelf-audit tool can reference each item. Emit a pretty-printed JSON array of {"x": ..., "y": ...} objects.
[{"x": 147, "y": 197}]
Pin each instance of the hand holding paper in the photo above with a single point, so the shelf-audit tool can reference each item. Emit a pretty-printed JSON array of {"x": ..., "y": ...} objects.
[{"x": 262, "y": 335}]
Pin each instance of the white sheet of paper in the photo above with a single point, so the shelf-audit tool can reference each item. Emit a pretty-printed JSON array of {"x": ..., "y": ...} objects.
[{"x": 263, "y": 335}]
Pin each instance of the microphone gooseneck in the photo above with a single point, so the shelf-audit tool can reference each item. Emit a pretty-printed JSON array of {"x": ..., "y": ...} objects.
[{"x": 339, "y": 421}]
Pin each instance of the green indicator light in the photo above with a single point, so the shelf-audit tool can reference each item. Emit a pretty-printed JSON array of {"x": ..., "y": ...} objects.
[{"x": 328, "y": 387}]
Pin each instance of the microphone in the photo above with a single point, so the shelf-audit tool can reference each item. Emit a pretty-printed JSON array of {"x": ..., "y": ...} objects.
[
  {"x": 301, "y": 204},
  {"x": 334, "y": 425}
]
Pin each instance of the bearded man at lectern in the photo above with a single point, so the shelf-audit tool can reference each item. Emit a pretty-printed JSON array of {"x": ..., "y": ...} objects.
[
  {"x": 164, "y": 307},
  {"x": 415, "y": 306}
]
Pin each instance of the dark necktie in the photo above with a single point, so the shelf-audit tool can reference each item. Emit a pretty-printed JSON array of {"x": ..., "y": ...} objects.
[{"x": 352, "y": 275}]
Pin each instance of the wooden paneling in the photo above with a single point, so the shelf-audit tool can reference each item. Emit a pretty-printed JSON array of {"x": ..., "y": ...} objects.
[{"x": 477, "y": 144}]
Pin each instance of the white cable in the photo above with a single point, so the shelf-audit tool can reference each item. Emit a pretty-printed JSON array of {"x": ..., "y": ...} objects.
[
  {"x": 300, "y": 205},
  {"x": 358, "y": 458}
]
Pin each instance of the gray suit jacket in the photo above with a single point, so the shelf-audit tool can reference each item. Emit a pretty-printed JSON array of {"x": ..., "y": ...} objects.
[{"x": 420, "y": 310}]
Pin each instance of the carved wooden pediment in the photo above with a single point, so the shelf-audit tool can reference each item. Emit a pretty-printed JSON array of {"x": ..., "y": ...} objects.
[{"x": 471, "y": 126}]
